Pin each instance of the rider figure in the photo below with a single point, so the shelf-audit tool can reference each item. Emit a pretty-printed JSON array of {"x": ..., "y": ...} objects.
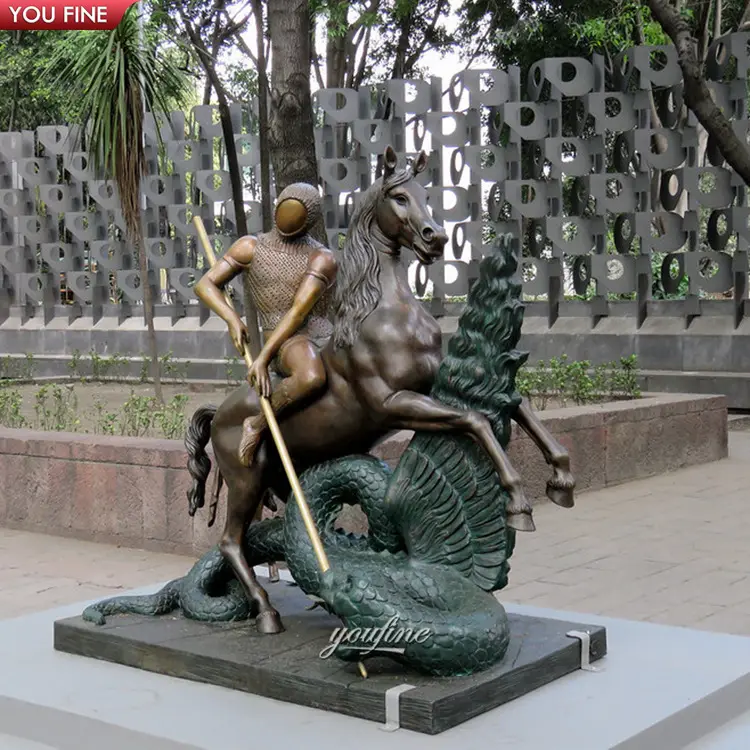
[{"x": 290, "y": 276}]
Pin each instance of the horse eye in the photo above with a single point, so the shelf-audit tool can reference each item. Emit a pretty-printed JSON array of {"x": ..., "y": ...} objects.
[{"x": 401, "y": 200}]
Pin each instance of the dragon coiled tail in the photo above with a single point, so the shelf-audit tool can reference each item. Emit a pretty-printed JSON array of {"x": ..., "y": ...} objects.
[
  {"x": 373, "y": 585},
  {"x": 166, "y": 600},
  {"x": 197, "y": 436}
]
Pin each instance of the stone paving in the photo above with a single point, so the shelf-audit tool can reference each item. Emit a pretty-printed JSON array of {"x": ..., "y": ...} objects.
[
  {"x": 40, "y": 572},
  {"x": 673, "y": 549}
]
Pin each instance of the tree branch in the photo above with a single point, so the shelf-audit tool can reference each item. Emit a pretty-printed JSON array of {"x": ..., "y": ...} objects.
[
  {"x": 359, "y": 76},
  {"x": 262, "y": 73},
  {"x": 718, "y": 18},
  {"x": 316, "y": 59},
  {"x": 479, "y": 47},
  {"x": 696, "y": 93},
  {"x": 701, "y": 26},
  {"x": 371, "y": 8},
  {"x": 411, "y": 61},
  {"x": 745, "y": 20}
]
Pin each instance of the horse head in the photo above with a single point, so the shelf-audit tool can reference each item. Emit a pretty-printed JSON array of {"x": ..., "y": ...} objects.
[{"x": 401, "y": 211}]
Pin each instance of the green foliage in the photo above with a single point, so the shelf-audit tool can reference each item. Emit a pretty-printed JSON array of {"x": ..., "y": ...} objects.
[
  {"x": 30, "y": 66},
  {"x": 56, "y": 408},
  {"x": 233, "y": 370},
  {"x": 114, "y": 367},
  {"x": 113, "y": 76},
  {"x": 578, "y": 382},
  {"x": 143, "y": 416},
  {"x": 14, "y": 368},
  {"x": 172, "y": 369},
  {"x": 102, "y": 368},
  {"x": 75, "y": 363},
  {"x": 30, "y": 98},
  {"x": 615, "y": 32},
  {"x": 241, "y": 82},
  {"x": 105, "y": 423},
  {"x": 10, "y": 408},
  {"x": 171, "y": 418},
  {"x": 27, "y": 372}
]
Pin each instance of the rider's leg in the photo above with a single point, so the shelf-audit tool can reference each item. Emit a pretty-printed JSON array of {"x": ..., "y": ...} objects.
[{"x": 300, "y": 361}]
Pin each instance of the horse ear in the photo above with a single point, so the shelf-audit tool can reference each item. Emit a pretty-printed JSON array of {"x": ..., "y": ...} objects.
[
  {"x": 420, "y": 163},
  {"x": 390, "y": 160}
]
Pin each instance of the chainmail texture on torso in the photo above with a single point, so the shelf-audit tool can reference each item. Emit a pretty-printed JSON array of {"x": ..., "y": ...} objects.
[{"x": 274, "y": 276}]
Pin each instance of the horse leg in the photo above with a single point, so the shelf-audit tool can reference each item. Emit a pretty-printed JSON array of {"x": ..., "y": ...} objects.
[
  {"x": 407, "y": 410},
  {"x": 560, "y": 487},
  {"x": 243, "y": 500}
]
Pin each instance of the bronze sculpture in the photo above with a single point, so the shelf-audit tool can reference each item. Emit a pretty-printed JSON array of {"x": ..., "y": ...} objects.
[
  {"x": 442, "y": 526},
  {"x": 380, "y": 362}
]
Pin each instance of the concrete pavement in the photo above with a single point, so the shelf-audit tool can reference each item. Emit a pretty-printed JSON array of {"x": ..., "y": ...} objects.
[{"x": 671, "y": 549}]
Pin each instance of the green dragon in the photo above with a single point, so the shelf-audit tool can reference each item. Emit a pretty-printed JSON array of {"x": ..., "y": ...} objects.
[{"x": 438, "y": 543}]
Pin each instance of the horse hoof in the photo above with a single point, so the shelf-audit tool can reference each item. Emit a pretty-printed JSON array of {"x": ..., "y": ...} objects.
[
  {"x": 521, "y": 522},
  {"x": 562, "y": 496},
  {"x": 269, "y": 622}
]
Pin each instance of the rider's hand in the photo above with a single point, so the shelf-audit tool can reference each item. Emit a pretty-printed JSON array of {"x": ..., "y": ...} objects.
[
  {"x": 238, "y": 334},
  {"x": 258, "y": 376}
]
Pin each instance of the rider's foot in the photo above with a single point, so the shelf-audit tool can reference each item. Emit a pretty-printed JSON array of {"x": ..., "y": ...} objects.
[
  {"x": 268, "y": 622},
  {"x": 249, "y": 443}
]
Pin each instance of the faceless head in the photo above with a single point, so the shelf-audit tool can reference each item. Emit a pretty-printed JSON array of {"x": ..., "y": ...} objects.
[{"x": 298, "y": 207}]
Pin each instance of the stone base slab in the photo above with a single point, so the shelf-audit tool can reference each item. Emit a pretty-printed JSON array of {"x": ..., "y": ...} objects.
[
  {"x": 288, "y": 666},
  {"x": 658, "y": 688}
]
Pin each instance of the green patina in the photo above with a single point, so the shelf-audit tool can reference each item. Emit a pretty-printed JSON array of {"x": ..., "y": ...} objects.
[{"x": 438, "y": 542}]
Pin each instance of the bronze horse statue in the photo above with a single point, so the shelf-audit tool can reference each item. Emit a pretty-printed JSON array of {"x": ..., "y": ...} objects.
[{"x": 381, "y": 362}]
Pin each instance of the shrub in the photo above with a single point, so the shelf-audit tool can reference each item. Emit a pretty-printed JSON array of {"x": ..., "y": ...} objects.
[{"x": 578, "y": 382}]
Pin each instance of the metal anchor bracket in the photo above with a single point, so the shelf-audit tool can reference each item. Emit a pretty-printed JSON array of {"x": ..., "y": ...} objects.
[
  {"x": 585, "y": 638},
  {"x": 392, "y": 707}
]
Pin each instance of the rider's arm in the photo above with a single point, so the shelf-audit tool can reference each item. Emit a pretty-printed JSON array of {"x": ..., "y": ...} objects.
[
  {"x": 319, "y": 276},
  {"x": 210, "y": 287}
]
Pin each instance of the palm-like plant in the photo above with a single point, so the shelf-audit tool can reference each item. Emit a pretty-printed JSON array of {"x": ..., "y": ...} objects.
[{"x": 116, "y": 76}]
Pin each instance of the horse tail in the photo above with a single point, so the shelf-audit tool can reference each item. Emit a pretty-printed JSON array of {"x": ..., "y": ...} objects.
[
  {"x": 197, "y": 435},
  {"x": 214, "y": 505}
]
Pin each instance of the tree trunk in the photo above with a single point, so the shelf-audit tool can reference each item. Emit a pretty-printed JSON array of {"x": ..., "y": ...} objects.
[
  {"x": 336, "y": 70},
  {"x": 718, "y": 18},
  {"x": 235, "y": 174},
  {"x": 291, "y": 138},
  {"x": 696, "y": 93},
  {"x": 148, "y": 316},
  {"x": 265, "y": 165},
  {"x": 335, "y": 58}
]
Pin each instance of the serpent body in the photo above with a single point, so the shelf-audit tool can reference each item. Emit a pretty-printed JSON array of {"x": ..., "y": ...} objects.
[{"x": 438, "y": 542}]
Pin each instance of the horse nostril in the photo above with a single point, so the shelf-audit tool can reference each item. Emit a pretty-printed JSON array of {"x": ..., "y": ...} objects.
[{"x": 428, "y": 234}]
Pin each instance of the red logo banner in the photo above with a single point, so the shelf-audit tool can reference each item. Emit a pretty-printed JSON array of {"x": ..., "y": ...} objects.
[{"x": 62, "y": 15}]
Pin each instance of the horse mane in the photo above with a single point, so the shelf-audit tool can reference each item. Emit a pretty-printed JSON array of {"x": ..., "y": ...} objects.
[{"x": 358, "y": 291}]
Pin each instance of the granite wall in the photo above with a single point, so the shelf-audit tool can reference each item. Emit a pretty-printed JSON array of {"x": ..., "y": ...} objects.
[{"x": 132, "y": 491}]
